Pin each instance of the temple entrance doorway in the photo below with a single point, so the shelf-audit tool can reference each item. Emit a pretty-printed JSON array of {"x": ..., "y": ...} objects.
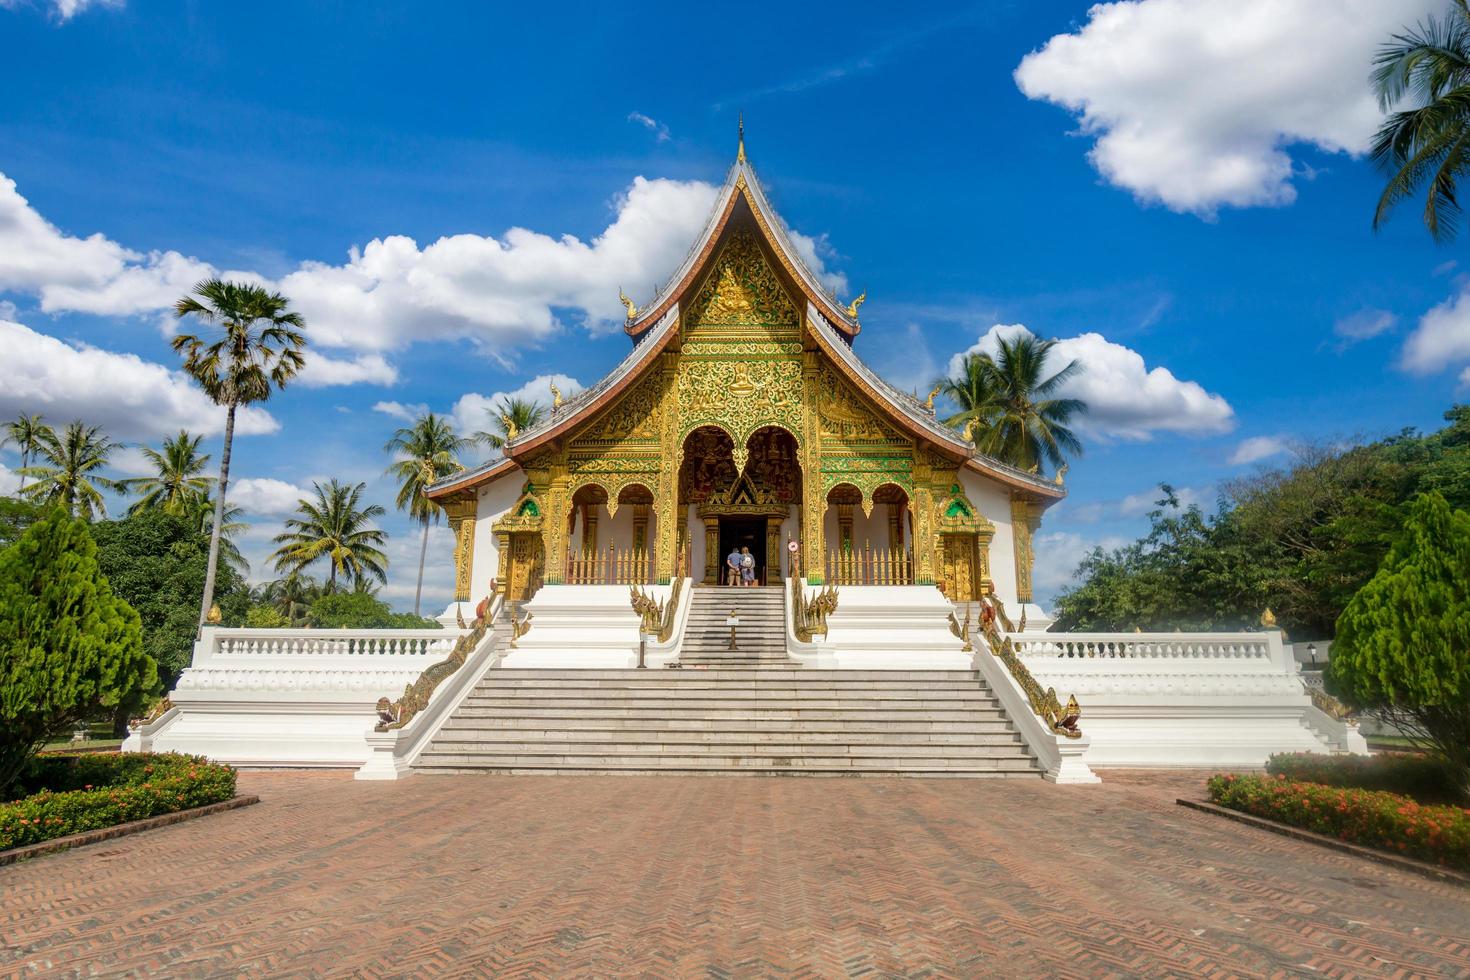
[{"x": 743, "y": 532}]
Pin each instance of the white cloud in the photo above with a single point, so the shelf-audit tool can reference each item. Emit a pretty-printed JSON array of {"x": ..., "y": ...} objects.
[
  {"x": 1257, "y": 448},
  {"x": 130, "y": 461},
  {"x": 1195, "y": 103},
  {"x": 1126, "y": 399},
  {"x": 1058, "y": 554},
  {"x": 62, "y": 10},
  {"x": 659, "y": 130},
  {"x": 265, "y": 496},
  {"x": 1138, "y": 504},
  {"x": 9, "y": 480},
  {"x": 403, "y": 570},
  {"x": 501, "y": 294},
  {"x": 400, "y": 411},
  {"x": 131, "y": 397},
  {"x": 1364, "y": 325},
  {"x": 472, "y": 412},
  {"x": 1441, "y": 338},
  {"x": 322, "y": 371},
  {"x": 816, "y": 252}
]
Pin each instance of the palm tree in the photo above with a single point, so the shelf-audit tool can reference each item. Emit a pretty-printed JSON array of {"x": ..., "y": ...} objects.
[
  {"x": 334, "y": 526},
  {"x": 201, "y": 513},
  {"x": 429, "y": 450},
  {"x": 28, "y": 433},
  {"x": 178, "y": 487},
  {"x": 523, "y": 414},
  {"x": 1017, "y": 420},
  {"x": 292, "y": 596},
  {"x": 1430, "y": 144},
  {"x": 68, "y": 476},
  {"x": 258, "y": 348}
]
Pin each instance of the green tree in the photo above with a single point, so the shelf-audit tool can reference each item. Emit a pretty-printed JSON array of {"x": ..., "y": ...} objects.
[
  {"x": 69, "y": 648},
  {"x": 1427, "y": 146},
  {"x": 257, "y": 348},
  {"x": 1012, "y": 398},
  {"x": 157, "y": 562},
  {"x": 523, "y": 413},
  {"x": 291, "y": 596},
  {"x": 177, "y": 486},
  {"x": 335, "y": 526},
  {"x": 1403, "y": 642},
  {"x": 15, "y": 517},
  {"x": 428, "y": 451},
  {"x": 360, "y": 610},
  {"x": 29, "y": 433},
  {"x": 69, "y": 473},
  {"x": 202, "y": 515}
]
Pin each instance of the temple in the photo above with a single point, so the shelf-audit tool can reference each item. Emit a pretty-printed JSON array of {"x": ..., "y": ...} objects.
[
  {"x": 743, "y": 417},
  {"x": 889, "y": 629}
]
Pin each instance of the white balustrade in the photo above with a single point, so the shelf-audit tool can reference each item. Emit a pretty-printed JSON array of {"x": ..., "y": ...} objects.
[{"x": 1130, "y": 646}]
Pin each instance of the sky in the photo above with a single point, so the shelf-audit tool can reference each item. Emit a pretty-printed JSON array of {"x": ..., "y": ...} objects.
[{"x": 453, "y": 195}]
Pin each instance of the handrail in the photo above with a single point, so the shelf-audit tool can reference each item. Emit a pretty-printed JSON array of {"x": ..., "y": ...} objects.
[
  {"x": 657, "y": 615},
  {"x": 869, "y": 566},
  {"x": 1044, "y": 703},
  {"x": 396, "y": 714}
]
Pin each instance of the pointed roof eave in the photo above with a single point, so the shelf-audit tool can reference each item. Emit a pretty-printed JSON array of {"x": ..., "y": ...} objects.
[
  {"x": 918, "y": 422},
  {"x": 742, "y": 181},
  {"x": 469, "y": 479}
]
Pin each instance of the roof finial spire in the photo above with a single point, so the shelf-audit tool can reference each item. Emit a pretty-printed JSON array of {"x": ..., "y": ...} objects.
[{"x": 740, "y": 154}]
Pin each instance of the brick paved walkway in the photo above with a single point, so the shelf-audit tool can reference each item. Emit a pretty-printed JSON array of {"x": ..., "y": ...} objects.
[{"x": 720, "y": 877}]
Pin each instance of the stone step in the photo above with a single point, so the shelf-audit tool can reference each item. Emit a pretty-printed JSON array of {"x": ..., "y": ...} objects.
[
  {"x": 478, "y": 729},
  {"x": 734, "y": 696},
  {"x": 859, "y": 728},
  {"x": 772, "y": 714},
  {"x": 806, "y": 772},
  {"x": 622, "y": 738},
  {"x": 735, "y": 760},
  {"x": 711, "y": 681},
  {"x": 802, "y": 674}
]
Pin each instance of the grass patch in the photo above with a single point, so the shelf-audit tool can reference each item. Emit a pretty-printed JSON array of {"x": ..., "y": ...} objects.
[{"x": 66, "y": 794}]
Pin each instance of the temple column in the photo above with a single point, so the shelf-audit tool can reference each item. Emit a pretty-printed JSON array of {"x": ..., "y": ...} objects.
[
  {"x": 1025, "y": 520},
  {"x": 461, "y": 514},
  {"x": 554, "y": 525},
  {"x": 773, "y": 549},
  {"x": 921, "y": 505},
  {"x": 502, "y": 562},
  {"x": 712, "y": 556},
  {"x": 672, "y": 455},
  {"x": 982, "y": 548},
  {"x": 813, "y": 499}
]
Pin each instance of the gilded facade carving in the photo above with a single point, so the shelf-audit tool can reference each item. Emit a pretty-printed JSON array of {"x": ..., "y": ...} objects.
[{"x": 743, "y": 291}]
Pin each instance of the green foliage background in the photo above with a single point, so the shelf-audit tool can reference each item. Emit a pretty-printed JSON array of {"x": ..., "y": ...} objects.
[{"x": 1301, "y": 540}]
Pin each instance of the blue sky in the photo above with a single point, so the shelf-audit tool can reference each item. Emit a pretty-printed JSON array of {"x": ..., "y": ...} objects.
[{"x": 1160, "y": 186}]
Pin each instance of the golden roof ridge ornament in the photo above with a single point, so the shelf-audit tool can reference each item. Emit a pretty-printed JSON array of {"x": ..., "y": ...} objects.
[
  {"x": 852, "y": 308},
  {"x": 555, "y": 398},
  {"x": 510, "y": 427},
  {"x": 740, "y": 151},
  {"x": 929, "y": 404},
  {"x": 628, "y": 303}
]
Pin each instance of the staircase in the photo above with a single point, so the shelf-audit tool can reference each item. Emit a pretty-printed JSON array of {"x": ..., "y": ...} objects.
[
  {"x": 751, "y": 720},
  {"x": 760, "y": 638}
]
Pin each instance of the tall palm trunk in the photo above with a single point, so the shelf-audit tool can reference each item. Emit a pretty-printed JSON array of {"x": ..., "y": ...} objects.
[
  {"x": 219, "y": 517},
  {"x": 25, "y": 461},
  {"x": 418, "y": 593}
]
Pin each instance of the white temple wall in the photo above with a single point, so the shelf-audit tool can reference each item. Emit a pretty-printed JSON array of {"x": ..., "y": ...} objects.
[
  {"x": 496, "y": 498},
  {"x": 694, "y": 534},
  {"x": 994, "y": 502}
]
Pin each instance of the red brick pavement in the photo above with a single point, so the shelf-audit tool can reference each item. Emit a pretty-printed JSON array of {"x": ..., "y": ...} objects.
[{"x": 720, "y": 877}]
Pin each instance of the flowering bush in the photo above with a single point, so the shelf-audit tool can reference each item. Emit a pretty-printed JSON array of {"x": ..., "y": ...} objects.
[
  {"x": 1386, "y": 821},
  {"x": 126, "y": 787},
  {"x": 1425, "y": 779}
]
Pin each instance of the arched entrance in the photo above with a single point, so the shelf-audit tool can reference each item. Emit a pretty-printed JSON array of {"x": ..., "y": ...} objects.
[
  {"x": 870, "y": 538},
  {"x": 609, "y": 538},
  {"x": 730, "y": 509}
]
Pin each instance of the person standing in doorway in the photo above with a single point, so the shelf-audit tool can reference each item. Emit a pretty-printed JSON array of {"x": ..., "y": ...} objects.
[
  {"x": 747, "y": 567},
  {"x": 732, "y": 567}
]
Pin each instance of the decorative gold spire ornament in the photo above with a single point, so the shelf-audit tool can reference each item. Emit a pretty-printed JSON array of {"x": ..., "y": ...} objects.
[
  {"x": 1061, "y": 474},
  {"x": 555, "y": 398},
  {"x": 510, "y": 427},
  {"x": 740, "y": 152},
  {"x": 1268, "y": 619},
  {"x": 852, "y": 308},
  {"x": 632, "y": 309},
  {"x": 214, "y": 617},
  {"x": 969, "y": 431},
  {"x": 930, "y": 403},
  {"x": 1034, "y": 468}
]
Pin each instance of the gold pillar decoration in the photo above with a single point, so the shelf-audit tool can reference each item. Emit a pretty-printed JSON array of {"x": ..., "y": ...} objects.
[
  {"x": 502, "y": 562},
  {"x": 895, "y": 528},
  {"x": 1025, "y": 519},
  {"x": 814, "y": 502},
  {"x": 982, "y": 546},
  {"x": 844, "y": 528},
  {"x": 712, "y": 563},
  {"x": 461, "y": 514},
  {"x": 554, "y": 524},
  {"x": 671, "y": 452},
  {"x": 773, "y": 549},
  {"x": 921, "y": 505}
]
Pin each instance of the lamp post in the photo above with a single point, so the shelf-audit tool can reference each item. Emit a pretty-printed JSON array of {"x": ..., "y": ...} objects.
[{"x": 732, "y": 621}]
